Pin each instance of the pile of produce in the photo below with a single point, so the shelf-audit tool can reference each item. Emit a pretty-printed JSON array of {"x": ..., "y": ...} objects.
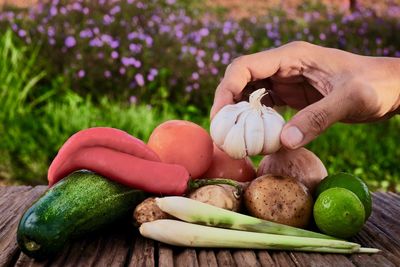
[{"x": 188, "y": 188}]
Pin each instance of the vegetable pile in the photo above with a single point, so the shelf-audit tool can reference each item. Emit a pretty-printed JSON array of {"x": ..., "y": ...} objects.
[{"x": 188, "y": 188}]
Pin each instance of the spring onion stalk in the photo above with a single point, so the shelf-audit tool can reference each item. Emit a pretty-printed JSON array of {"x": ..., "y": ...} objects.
[
  {"x": 194, "y": 211},
  {"x": 178, "y": 233}
]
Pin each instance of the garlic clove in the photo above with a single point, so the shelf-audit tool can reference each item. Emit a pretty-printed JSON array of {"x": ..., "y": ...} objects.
[
  {"x": 273, "y": 124},
  {"x": 224, "y": 120},
  {"x": 234, "y": 144},
  {"x": 254, "y": 133}
]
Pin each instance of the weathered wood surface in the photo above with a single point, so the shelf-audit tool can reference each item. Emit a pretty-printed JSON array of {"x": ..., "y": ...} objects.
[{"x": 125, "y": 247}]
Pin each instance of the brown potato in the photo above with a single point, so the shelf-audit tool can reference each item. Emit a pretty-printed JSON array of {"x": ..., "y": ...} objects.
[
  {"x": 148, "y": 211},
  {"x": 279, "y": 199}
]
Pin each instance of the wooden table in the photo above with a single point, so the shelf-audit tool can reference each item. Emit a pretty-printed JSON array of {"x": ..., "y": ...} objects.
[{"x": 125, "y": 247}]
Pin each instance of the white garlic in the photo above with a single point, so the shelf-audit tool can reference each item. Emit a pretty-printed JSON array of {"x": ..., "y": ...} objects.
[{"x": 247, "y": 128}]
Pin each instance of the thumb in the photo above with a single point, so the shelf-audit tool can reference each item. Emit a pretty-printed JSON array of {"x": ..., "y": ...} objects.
[{"x": 311, "y": 121}]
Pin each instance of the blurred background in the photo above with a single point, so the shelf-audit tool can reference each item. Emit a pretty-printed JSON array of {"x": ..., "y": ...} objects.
[{"x": 131, "y": 64}]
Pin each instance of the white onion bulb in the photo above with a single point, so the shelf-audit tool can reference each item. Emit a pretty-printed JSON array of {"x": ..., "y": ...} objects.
[{"x": 247, "y": 128}]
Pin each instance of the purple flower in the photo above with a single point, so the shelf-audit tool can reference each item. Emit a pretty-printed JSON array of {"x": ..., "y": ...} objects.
[
  {"x": 77, "y": 6},
  {"x": 53, "y": 11},
  {"x": 51, "y": 31},
  {"x": 214, "y": 71},
  {"x": 188, "y": 89},
  {"x": 107, "y": 19},
  {"x": 63, "y": 10},
  {"x": 195, "y": 76},
  {"x": 204, "y": 32},
  {"x": 334, "y": 27},
  {"x": 114, "y": 44},
  {"x": 170, "y": 2},
  {"x": 114, "y": 54},
  {"x": 216, "y": 57},
  {"x": 133, "y": 99},
  {"x": 153, "y": 71},
  {"x": 130, "y": 1},
  {"x": 81, "y": 73},
  {"x": 86, "y": 33},
  {"x": 115, "y": 10},
  {"x": 135, "y": 48},
  {"x": 122, "y": 70},
  {"x": 139, "y": 79},
  {"x": 70, "y": 41},
  {"x": 179, "y": 34},
  {"x": 85, "y": 10},
  {"x": 322, "y": 36},
  {"x": 96, "y": 42},
  {"x": 107, "y": 74},
  {"x": 149, "y": 41},
  {"x": 21, "y": 33},
  {"x": 132, "y": 35},
  {"x": 52, "y": 41}
]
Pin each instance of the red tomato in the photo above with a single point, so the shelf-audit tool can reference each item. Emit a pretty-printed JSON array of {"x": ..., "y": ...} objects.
[
  {"x": 184, "y": 143},
  {"x": 223, "y": 166}
]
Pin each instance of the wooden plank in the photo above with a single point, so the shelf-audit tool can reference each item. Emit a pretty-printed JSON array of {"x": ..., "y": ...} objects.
[
  {"x": 143, "y": 253},
  {"x": 115, "y": 247},
  {"x": 10, "y": 198},
  {"x": 319, "y": 259},
  {"x": 282, "y": 258},
  {"x": 207, "y": 258},
  {"x": 394, "y": 195},
  {"x": 375, "y": 260},
  {"x": 371, "y": 236},
  {"x": 386, "y": 221},
  {"x": 245, "y": 258},
  {"x": 225, "y": 259},
  {"x": 388, "y": 204},
  {"x": 8, "y": 243},
  {"x": 165, "y": 255},
  {"x": 186, "y": 257},
  {"x": 25, "y": 261},
  {"x": 265, "y": 259}
]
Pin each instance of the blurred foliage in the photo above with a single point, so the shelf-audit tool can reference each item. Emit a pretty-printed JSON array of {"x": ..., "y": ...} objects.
[{"x": 69, "y": 65}]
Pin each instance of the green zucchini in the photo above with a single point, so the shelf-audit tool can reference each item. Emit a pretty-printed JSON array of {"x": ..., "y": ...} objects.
[{"x": 80, "y": 203}]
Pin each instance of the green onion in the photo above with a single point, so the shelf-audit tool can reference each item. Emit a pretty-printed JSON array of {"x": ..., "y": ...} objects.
[
  {"x": 180, "y": 233},
  {"x": 194, "y": 211}
]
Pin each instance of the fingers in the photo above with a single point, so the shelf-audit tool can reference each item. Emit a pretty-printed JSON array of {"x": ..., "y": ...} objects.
[
  {"x": 311, "y": 121},
  {"x": 240, "y": 72}
]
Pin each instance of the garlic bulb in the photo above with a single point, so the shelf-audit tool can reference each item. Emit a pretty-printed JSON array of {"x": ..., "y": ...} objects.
[{"x": 247, "y": 128}]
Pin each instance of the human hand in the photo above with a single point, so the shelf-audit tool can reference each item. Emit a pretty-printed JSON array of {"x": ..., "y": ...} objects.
[{"x": 327, "y": 85}]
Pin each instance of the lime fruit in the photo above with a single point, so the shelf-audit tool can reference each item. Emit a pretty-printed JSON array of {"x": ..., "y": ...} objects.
[
  {"x": 350, "y": 182},
  {"x": 339, "y": 212}
]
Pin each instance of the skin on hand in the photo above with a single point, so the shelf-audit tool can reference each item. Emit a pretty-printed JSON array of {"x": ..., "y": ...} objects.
[{"x": 326, "y": 85}]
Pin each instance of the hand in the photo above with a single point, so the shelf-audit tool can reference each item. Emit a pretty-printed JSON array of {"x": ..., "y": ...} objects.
[{"x": 327, "y": 85}]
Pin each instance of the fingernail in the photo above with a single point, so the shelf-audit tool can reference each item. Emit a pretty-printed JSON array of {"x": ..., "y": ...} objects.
[{"x": 292, "y": 136}]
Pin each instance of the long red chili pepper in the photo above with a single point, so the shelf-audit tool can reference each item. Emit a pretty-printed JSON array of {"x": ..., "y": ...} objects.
[{"x": 100, "y": 137}]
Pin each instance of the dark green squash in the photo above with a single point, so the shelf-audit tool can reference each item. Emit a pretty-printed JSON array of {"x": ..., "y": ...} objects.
[{"x": 80, "y": 203}]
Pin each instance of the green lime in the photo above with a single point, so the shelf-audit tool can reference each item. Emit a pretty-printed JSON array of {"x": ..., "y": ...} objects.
[
  {"x": 350, "y": 182},
  {"x": 339, "y": 212}
]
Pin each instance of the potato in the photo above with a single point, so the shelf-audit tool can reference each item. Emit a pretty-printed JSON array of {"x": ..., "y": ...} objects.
[
  {"x": 279, "y": 199},
  {"x": 222, "y": 196},
  {"x": 148, "y": 211},
  {"x": 184, "y": 143},
  {"x": 223, "y": 166}
]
